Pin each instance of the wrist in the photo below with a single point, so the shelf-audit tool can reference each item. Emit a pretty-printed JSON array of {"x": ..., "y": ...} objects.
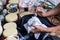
[
  {"x": 49, "y": 30},
  {"x": 52, "y": 30}
]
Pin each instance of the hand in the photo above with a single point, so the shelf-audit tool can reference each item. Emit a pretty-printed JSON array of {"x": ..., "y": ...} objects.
[
  {"x": 40, "y": 11},
  {"x": 35, "y": 30},
  {"x": 34, "y": 25},
  {"x": 39, "y": 28},
  {"x": 52, "y": 30}
]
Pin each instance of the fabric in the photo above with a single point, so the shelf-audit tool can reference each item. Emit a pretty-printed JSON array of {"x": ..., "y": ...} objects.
[
  {"x": 52, "y": 38},
  {"x": 36, "y": 21},
  {"x": 55, "y": 20},
  {"x": 44, "y": 20},
  {"x": 54, "y": 2},
  {"x": 4, "y": 2},
  {"x": 38, "y": 2},
  {"x": 22, "y": 3},
  {"x": 5, "y": 11},
  {"x": 0, "y": 28},
  {"x": 1, "y": 17},
  {"x": 26, "y": 3}
]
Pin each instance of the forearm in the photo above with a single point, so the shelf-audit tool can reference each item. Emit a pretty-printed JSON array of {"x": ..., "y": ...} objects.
[
  {"x": 42, "y": 29},
  {"x": 54, "y": 29},
  {"x": 51, "y": 29}
]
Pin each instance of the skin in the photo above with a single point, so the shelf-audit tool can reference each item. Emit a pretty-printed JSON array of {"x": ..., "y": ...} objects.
[{"x": 52, "y": 12}]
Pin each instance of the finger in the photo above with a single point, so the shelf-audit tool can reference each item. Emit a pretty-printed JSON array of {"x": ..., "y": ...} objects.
[
  {"x": 33, "y": 24},
  {"x": 37, "y": 9},
  {"x": 39, "y": 14},
  {"x": 35, "y": 30},
  {"x": 41, "y": 8},
  {"x": 35, "y": 14},
  {"x": 32, "y": 31}
]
